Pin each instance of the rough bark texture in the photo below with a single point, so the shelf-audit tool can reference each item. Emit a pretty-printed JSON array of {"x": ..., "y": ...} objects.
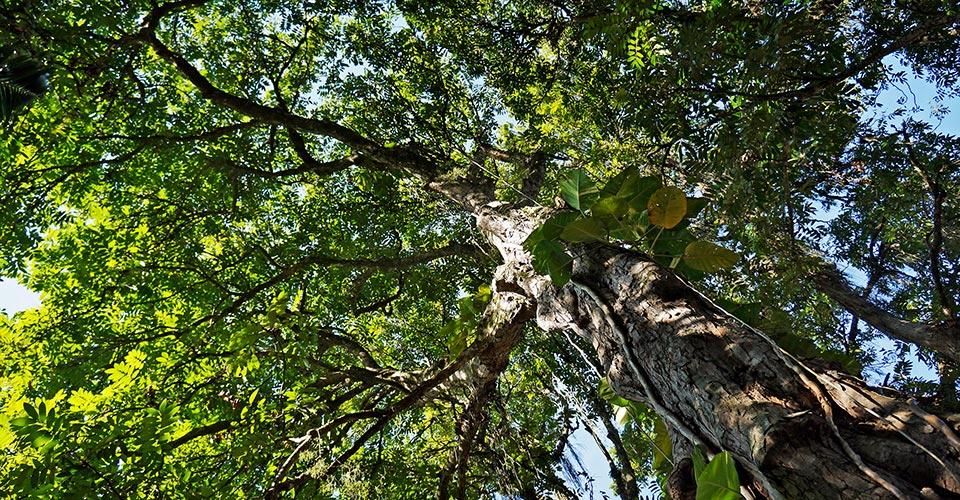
[
  {"x": 796, "y": 430},
  {"x": 502, "y": 328}
]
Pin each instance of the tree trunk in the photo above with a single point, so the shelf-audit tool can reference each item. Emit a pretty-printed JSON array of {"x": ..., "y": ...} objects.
[{"x": 797, "y": 430}]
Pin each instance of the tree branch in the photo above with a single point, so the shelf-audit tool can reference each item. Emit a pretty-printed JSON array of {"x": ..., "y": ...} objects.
[
  {"x": 504, "y": 318},
  {"x": 453, "y": 249},
  {"x": 944, "y": 341},
  {"x": 935, "y": 236},
  {"x": 208, "y": 135},
  {"x": 206, "y": 430},
  {"x": 246, "y": 107},
  {"x": 874, "y": 56},
  {"x": 407, "y": 157},
  {"x": 310, "y": 165}
]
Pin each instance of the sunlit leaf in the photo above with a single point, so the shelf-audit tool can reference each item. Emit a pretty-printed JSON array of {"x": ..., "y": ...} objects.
[
  {"x": 578, "y": 190},
  {"x": 667, "y": 207},
  {"x": 708, "y": 257},
  {"x": 719, "y": 480}
]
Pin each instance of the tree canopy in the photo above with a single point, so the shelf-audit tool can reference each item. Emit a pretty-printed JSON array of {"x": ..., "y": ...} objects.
[{"x": 253, "y": 226}]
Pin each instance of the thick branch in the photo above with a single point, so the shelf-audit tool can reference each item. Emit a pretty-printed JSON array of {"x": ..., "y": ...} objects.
[
  {"x": 257, "y": 111},
  {"x": 382, "y": 303},
  {"x": 199, "y": 432},
  {"x": 470, "y": 422},
  {"x": 536, "y": 171},
  {"x": 311, "y": 165},
  {"x": 208, "y": 135},
  {"x": 874, "y": 56},
  {"x": 942, "y": 340},
  {"x": 504, "y": 318},
  {"x": 409, "y": 157},
  {"x": 453, "y": 249}
]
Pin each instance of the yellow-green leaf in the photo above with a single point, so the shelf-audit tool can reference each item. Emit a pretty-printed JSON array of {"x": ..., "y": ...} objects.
[
  {"x": 719, "y": 480},
  {"x": 667, "y": 206},
  {"x": 708, "y": 257},
  {"x": 662, "y": 447}
]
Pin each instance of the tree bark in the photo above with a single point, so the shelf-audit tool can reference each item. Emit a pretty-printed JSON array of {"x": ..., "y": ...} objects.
[
  {"x": 942, "y": 339},
  {"x": 797, "y": 430}
]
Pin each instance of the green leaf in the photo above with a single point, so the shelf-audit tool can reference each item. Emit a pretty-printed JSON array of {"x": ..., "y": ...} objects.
[
  {"x": 550, "y": 257},
  {"x": 534, "y": 238},
  {"x": 662, "y": 446},
  {"x": 719, "y": 480},
  {"x": 555, "y": 225},
  {"x": 583, "y": 230},
  {"x": 550, "y": 230},
  {"x": 560, "y": 269},
  {"x": 42, "y": 440},
  {"x": 708, "y": 257},
  {"x": 667, "y": 206},
  {"x": 605, "y": 391},
  {"x": 578, "y": 190},
  {"x": 638, "y": 190},
  {"x": 750, "y": 313},
  {"x": 625, "y": 233},
  {"x": 609, "y": 208},
  {"x": 607, "y": 394},
  {"x": 622, "y": 415},
  {"x": 458, "y": 343},
  {"x": 699, "y": 463},
  {"x": 612, "y": 187},
  {"x": 671, "y": 242},
  {"x": 27, "y": 407},
  {"x": 688, "y": 272}
]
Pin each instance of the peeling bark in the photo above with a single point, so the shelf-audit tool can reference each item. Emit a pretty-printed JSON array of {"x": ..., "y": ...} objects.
[{"x": 796, "y": 430}]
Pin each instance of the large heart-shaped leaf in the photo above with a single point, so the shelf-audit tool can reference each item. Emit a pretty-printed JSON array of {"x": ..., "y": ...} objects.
[
  {"x": 708, "y": 257},
  {"x": 578, "y": 190},
  {"x": 719, "y": 480},
  {"x": 550, "y": 257},
  {"x": 667, "y": 206},
  {"x": 555, "y": 225},
  {"x": 609, "y": 208},
  {"x": 612, "y": 186},
  {"x": 583, "y": 230},
  {"x": 639, "y": 189}
]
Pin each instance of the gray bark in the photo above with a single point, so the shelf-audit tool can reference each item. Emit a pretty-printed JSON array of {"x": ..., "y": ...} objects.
[
  {"x": 796, "y": 430},
  {"x": 942, "y": 339}
]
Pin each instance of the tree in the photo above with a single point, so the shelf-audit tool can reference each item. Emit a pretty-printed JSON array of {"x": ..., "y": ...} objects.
[{"x": 404, "y": 249}]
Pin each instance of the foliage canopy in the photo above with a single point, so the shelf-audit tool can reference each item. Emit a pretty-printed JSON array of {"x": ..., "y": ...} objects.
[{"x": 243, "y": 220}]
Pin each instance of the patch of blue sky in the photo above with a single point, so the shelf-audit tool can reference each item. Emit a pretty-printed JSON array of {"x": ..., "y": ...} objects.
[
  {"x": 15, "y": 297},
  {"x": 917, "y": 99}
]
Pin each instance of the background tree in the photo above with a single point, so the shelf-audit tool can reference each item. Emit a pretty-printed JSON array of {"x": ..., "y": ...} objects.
[{"x": 321, "y": 248}]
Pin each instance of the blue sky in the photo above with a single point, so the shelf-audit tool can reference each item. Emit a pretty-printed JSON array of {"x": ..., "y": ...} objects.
[
  {"x": 15, "y": 297},
  {"x": 917, "y": 97}
]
